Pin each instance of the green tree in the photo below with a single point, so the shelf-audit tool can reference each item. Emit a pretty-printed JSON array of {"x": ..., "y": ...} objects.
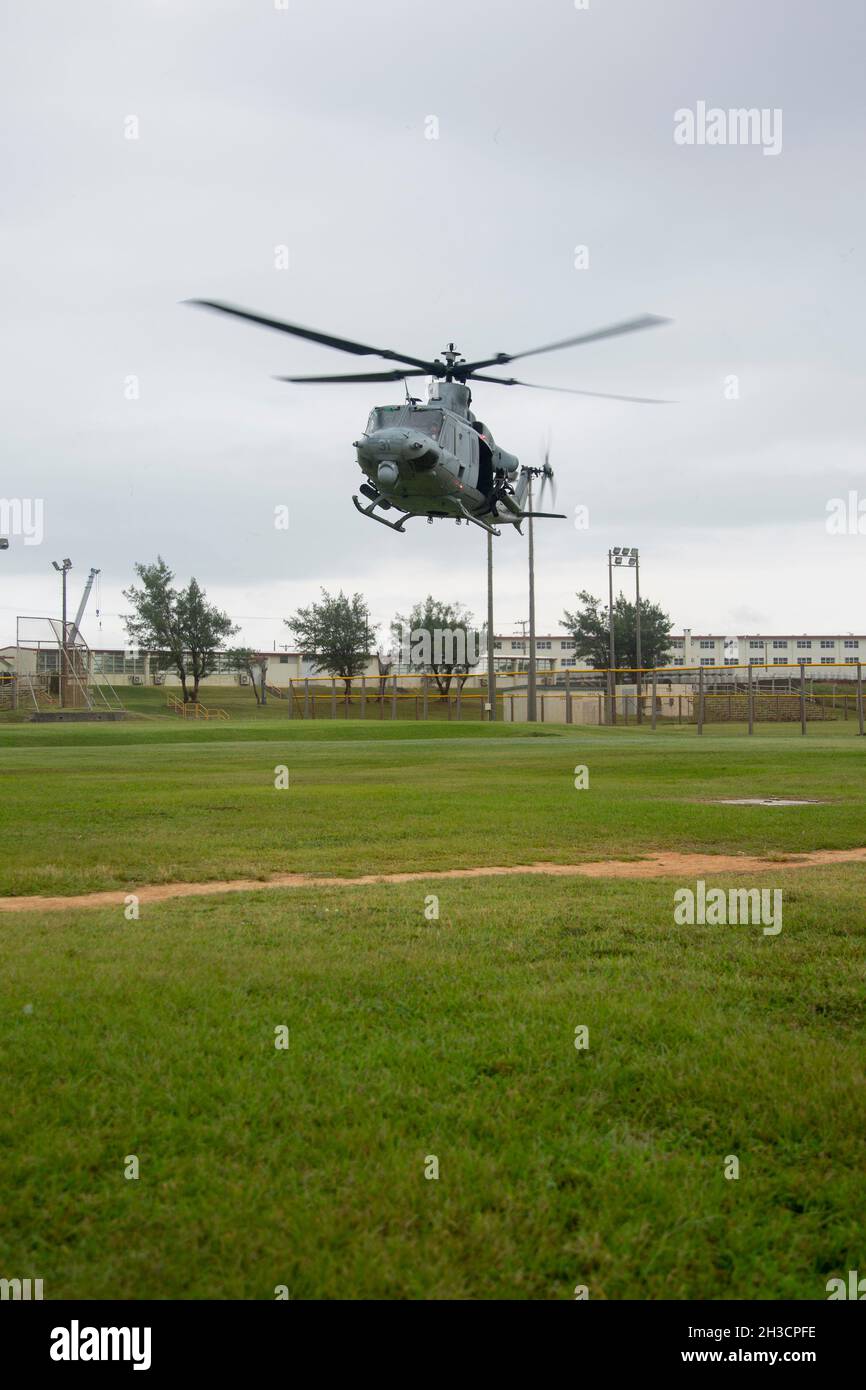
[
  {"x": 589, "y": 628},
  {"x": 250, "y": 662},
  {"x": 334, "y": 635},
  {"x": 179, "y": 624},
  {"x": 429, "y": 618}
]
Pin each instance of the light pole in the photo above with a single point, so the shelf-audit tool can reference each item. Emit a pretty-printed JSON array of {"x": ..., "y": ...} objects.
[
  {"x": 611, "y": 680},
  {"x": 62, "y": 569},
  {"x": 624, "y": 554},
  {"x": 491, "y": 673},
  {"x": 530, "y": 677}
]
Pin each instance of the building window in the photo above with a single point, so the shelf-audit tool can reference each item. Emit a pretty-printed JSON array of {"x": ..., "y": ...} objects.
[
  {"x": 677, "y": 643},
  {"x": 113, "y": 663},
  {"x": 759, "y": 645},
  {"x": 567, "y": 644},
  {"x": 518, "y": 646},
  {"x": 284, "y": 659},
  {"x": 852, "y": 642},
  {"x": 780, "y": 644},
  {"x": 707, "y": 661},
  {"x": 850, "y": 661},
  {"x": 828, "y": 661},
  {"x": 678, "y": 661},
  {"x": 497, "y": 646},
  {"x": 780, "y": 661},
  {"x": 542, "y": 646},
  {"x": 827, "y": 642},
  {"x": 708, "y": 644},
  {"x": 755, "y": 661},
  {"x": 731, "y": 661},
  {"x": 804, "y": 642}
]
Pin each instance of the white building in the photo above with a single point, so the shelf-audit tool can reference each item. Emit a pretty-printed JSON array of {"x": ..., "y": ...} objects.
[{"x": 775, "y": 649}]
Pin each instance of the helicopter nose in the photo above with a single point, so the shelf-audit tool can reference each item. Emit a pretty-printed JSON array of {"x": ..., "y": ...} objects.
[{"x": 387, "y": 473}]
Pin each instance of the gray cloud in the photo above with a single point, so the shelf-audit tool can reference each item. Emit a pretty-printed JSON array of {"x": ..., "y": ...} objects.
[{"x": 305, "y": 127}]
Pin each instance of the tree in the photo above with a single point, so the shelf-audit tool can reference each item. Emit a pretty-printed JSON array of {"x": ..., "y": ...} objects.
[
  {"x": 179, "y": 624},
  {"x": 438, "y": 637},
  {"x": 334, "y": 635},
  {"x": 589, "y": 628},
  {"x": 246, "y": 660}
]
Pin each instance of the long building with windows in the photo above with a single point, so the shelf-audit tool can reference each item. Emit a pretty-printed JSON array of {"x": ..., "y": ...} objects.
[
  {"x": 775, "y": 649},
  {"x": 555, "y": 652}
]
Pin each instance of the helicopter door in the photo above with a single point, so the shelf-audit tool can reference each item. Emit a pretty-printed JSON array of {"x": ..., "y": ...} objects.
[{"x": 485, "y": 467}]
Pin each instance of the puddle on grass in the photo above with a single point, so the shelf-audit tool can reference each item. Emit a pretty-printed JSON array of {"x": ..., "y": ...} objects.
[{"x": 768, "y": 801}]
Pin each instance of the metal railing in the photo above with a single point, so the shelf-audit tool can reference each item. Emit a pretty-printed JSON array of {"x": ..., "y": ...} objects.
[{"x": 191, "y": 709}]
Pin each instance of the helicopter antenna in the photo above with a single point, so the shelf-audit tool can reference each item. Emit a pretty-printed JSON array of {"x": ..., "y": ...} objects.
[{"x": 410, "y": 399}]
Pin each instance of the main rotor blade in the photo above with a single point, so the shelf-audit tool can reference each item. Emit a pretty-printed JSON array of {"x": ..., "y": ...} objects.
[
  {"x": 573, "y": 391},
  {"x": 358, "y": 376},
  {"x": 327, "y": 339},
  {"x": 614, "y": 330}
]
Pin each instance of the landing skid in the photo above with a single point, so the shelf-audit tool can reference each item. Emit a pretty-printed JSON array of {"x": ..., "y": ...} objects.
[
  {"x": 467, "y": 516},
  {"x": 369, "y": 511},
  {"x": 556, "y": 516}
]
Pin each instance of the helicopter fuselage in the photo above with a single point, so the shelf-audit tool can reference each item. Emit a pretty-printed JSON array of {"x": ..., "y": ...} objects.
[{"x": 437, "y": 460}]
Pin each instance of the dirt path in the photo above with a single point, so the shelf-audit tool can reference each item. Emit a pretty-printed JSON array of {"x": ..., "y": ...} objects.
[{"x": 654, "y": 866}]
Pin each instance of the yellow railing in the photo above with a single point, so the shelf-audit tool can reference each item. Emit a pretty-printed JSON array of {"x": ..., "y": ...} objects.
[{"x": 192, "y": 710}]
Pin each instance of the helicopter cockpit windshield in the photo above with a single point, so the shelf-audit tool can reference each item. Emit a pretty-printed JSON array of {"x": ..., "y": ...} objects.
[{"x": 428, "y": 421}]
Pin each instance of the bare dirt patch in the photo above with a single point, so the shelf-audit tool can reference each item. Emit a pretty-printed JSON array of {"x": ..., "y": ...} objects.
[
  {"x": 768, "y": 801},
  {"x": 653, "y": 866}
]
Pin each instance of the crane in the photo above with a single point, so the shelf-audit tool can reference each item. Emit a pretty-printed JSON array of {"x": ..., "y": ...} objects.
[{"x": 84, "y": 597}]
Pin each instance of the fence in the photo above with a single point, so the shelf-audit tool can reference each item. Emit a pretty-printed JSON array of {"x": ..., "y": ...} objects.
[{"x": 653, "y": 696}]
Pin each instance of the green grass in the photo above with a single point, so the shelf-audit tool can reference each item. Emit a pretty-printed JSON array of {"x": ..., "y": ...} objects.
[
  {"x": 411, "y": 1037},
  {"x": 451, "y": 1038},
  {"x": 109, "y": 806}
]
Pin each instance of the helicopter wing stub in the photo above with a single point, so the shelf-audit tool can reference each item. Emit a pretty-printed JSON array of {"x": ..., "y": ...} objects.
[
  {"x": 573, "y": 391},
  {"x": 614, "y": 330},
  {"x": 314, "y": 336},
  {"x": 357, "y": 376}
]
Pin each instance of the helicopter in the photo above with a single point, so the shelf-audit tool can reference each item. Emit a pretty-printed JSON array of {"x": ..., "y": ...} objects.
[{"x": 436, "y": 458}]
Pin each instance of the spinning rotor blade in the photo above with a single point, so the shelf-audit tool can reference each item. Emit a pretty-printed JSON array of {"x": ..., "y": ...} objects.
[
  {"x": 614, "y": 330},
  {"x": 548, "y": 478},
  {"x": 327, "y": 339},
  {"x": 572, "y": 390},
  {"x": 358, "y": 376}
]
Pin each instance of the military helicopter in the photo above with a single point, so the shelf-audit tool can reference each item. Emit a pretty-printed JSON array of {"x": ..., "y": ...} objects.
[{"x": 436, "y": 459}]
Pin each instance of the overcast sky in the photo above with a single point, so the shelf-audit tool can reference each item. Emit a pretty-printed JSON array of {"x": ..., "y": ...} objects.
[{"x": 306, "y": 127}]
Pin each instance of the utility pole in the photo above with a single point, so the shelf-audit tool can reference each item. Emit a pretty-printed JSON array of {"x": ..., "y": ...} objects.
[
  {"x": 530, "y": 682},
  {"x": 63, "y": 569},
  {"x": 611, "y": 680},
  {"x": 491, "y": 671},
  {"x": 637, "y": 633}
]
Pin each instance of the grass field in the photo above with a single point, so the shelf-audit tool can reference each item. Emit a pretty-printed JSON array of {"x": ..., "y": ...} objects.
[{"x": 409, "y": 1037}]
